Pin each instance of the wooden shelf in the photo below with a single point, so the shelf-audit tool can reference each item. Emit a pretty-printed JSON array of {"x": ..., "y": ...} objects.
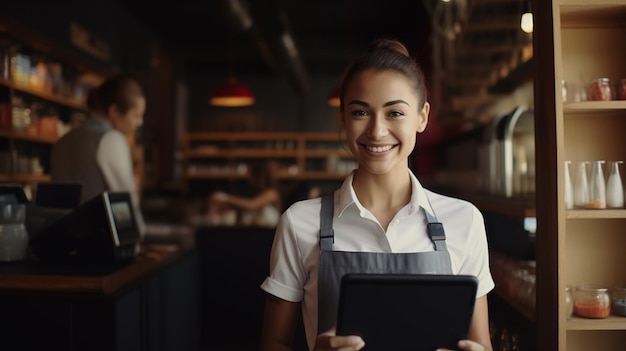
[
  {"x": 301, "y": 156},
  {"x": 24, "y": 178},
  {"x": 595, "y": 214},
  {"x": 587, "y": 106},
  {"x": 51, "y": 97},
  {"x": 9, "y": 134},
  {"x": 233, "y": 175},
  {"x": 242, "y": 154},
  {"x": 612, "y": 322}
]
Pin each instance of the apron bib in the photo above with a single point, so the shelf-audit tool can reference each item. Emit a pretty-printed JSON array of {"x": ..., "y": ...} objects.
[{"x": 333, "y": 265}]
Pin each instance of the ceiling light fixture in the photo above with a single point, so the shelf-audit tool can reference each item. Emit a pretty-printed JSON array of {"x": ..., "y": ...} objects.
[
  {"x": 233, "y": 94},
  {"x": 334, "y": 100},
  {"x": 527, "y": 19}
]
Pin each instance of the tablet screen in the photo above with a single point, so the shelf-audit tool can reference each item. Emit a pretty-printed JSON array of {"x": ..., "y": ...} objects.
[{"x": 406, "y": 311}]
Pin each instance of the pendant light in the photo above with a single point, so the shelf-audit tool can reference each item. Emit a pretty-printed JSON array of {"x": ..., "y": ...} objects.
[
  {"x": 334, "y": 100},
  {"x": 233, "y": 93}
]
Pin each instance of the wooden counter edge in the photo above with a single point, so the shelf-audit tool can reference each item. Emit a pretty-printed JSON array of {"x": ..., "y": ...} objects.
[{"x": 152, "y": 258}]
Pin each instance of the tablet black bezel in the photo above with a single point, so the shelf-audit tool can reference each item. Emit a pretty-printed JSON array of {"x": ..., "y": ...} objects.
[{"x": 446, "y": 317}]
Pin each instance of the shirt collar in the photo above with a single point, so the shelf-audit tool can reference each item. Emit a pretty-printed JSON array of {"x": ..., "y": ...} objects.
[
  {"x": 98, "y": 121},
  {"x": 348, "y": 197}
]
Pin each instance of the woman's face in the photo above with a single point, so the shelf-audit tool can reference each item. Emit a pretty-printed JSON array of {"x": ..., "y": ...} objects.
[
  {"x": 381, "y": 118},
  {"x": 129, "y": 121}
]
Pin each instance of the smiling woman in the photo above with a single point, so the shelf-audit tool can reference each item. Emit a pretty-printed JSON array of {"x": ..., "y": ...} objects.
[{"x": 375, "y": 223}]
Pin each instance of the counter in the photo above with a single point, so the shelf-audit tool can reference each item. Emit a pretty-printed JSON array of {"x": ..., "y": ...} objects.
[
  {"x": 101, "y": 279},
  {"x": 149, "y": 303}
]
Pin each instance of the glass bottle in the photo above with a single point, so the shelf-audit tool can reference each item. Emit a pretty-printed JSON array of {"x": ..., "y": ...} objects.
[
  {"x": 581, "y": 185},
  {"x": 597, "y": 186},
  {"x": 569, "y": 302},
  {"x": 614, "y": 187},
  {"x": 569, "y": 191},
  {"x": 581, "y": 90}
]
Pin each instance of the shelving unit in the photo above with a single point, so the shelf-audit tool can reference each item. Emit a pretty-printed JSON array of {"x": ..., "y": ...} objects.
[
  {"x": 51, "y": 97},
  {"x": 574, "y": 39},
  {"x": 18, "y": 144},
  {"x": 299, "y": 156},
  {"x": 47, "y": 79}
]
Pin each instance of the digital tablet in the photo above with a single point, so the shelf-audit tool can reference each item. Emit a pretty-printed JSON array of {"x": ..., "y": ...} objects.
[{"x": 406, "y": 311}]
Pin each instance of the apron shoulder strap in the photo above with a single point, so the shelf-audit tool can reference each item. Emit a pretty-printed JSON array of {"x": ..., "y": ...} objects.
[
  {"x": 435, "y": 230},
  {"x": 327, "y": 234},
  {"x": 437, "y": 235}
]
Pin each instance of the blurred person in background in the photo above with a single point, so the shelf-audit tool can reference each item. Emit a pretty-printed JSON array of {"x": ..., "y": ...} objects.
[
  {"x": 97, "y": 153},
  {"x": 261, "y": 206}
]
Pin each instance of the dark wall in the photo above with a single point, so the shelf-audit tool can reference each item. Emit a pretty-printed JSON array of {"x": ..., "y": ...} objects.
[
  {"x": 128, "y": 40},
  {"x": 278, "y": 107}
]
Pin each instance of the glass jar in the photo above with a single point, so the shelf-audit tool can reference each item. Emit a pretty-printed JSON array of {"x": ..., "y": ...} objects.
[
  {"x": 13, "y": 234},
  {"x": 618, "y": 301},
  {"x": 592, "y": 301},
  {"x": 621, "y": 90},
  {"x": 569, "y": 302},
  {"x": 601, "y": 90}
]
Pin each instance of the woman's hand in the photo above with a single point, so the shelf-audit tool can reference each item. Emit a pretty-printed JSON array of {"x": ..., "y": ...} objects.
[
  {"x": 467, "y": 345},
  {"x": 330, "y": 341}
]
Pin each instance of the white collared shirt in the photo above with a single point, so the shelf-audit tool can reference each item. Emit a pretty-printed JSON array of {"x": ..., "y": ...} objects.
[{"x": 295, "y": 251}]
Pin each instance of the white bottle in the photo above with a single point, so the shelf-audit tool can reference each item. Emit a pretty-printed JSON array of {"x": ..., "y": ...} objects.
[
  {"x": 597, "y": 187},
  {"x": 614, "y": 187},
  {"x": 569, "y": 190},
  {"x": 581, "y": 185}
]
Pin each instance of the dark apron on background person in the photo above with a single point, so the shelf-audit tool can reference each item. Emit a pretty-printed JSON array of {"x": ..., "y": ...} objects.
[{"x": 333, "y": 265}]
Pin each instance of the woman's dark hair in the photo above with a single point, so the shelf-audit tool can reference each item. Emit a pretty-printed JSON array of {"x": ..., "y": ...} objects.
[
  {"x": 120, "y": 90},
  {"x": 387, "y": 54}
]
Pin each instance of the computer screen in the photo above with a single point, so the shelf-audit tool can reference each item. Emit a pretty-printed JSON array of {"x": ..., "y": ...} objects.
[{"x": 123, "y": 217}]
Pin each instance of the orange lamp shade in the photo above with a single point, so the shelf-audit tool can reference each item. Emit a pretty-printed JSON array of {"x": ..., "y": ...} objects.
[
  {"x": 334, "y": 99},
  {"x": 233, "y": 94}
]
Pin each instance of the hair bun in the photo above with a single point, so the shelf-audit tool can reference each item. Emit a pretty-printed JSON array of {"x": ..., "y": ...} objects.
[{"x": 386, "y": 44}]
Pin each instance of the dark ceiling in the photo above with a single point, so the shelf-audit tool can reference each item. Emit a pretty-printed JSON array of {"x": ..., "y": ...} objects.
[
  {"x": 474, "y": 49},
  {"x": 210, "y": 36}
]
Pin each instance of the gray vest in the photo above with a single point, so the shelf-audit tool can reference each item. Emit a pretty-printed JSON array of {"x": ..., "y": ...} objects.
[{"x": 73, "y": 157}]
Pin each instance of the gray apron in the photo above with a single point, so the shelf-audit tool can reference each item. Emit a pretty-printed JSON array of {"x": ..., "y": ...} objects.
[{"x": 334, "y": 264}]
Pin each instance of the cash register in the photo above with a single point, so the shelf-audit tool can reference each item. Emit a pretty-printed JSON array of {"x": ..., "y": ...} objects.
[{"x": 101, "y": 230}]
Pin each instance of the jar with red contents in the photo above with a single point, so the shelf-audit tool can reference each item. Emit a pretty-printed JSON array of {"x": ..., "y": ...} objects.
[
  {"x": 600, "y": 90},
  {"x": 592, "y": 301}
]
